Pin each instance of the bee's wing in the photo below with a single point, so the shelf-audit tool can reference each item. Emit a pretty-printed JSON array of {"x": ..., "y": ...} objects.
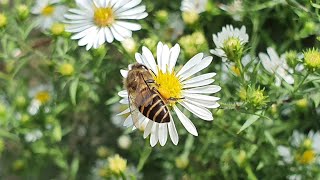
[{"x": 134, "y": 111}]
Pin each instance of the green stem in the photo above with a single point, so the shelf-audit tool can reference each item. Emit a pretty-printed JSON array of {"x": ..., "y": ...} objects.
[{"x": 301, "y": 82}]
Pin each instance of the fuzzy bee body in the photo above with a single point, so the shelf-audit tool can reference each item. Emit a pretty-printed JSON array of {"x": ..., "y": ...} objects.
[{"x": 143, "y": 95}]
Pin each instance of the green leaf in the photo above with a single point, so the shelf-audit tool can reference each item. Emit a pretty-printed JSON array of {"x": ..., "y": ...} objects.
[
  {"x": 57, "y": 133},
  {"x": 249, "y": 122},
  {"x": 74, "y": 168},
  {"x": 73, "y": 91},
  {"x": 317, "y": 6},
  {"x": 316, "y": 99},
  {"x": 270, "y": 138}
]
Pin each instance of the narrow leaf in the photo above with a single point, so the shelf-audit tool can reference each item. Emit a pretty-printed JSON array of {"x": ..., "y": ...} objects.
[{"x": 73, "y": 91}]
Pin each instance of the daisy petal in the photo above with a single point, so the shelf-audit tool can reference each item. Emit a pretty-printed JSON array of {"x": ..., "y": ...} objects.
[
  {"x": 154, "y": 135},
  {"x": 173, "y": 131},
  {"x": 163, "y": 133},
  {"x": 199, "y": 111},
  {"x": 186, "y": 122},
  {"x": 192, "y": 62},
  {"x": 204, "y": 63},
  {"x": 124, "y": 112}
]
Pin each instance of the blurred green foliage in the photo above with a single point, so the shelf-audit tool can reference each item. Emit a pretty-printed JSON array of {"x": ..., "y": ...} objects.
[{"x": 71, "y": 133}]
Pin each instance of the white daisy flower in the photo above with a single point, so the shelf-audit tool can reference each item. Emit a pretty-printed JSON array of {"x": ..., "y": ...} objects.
[
  {"x": 40, "y": 95},
  {"x": 49, "y": 12},
  {"x": 235, "y": 9},
  {"x": 276, "y": 65},
  {"x": 227, "y": 39},
  {"x": 306, "y": 149},
  {"x": 197, "y": 6},
  {"x": 194, "y": 91},
  {"x": 98, "y": 21}
]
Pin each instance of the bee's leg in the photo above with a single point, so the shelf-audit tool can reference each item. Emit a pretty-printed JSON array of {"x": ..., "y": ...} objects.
[
  {"x": 175, "y": 99},
  {"x": 150, "y": 81}
]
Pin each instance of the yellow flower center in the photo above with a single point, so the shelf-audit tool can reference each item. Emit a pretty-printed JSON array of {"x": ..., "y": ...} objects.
[
  {"x": 312, "y": 59},
  {"x": 117, "y": 164},
  {"x": 57, "y": 29},
  {"x": 3, "y": 20},
  {"x": 103, "y": 17},
  {"x": 307, "y": 157},
  {"x": 43, "y": 96},
  {"x": 169, "y": 85},
  {"x": 47, "y": 11},
  {"x": 66, "y": 69}
]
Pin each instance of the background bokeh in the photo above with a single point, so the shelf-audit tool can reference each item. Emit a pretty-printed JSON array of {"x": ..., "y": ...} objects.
[{"x": 58, "y": 101}]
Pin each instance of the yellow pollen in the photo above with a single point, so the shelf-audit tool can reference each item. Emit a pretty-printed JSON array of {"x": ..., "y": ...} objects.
[
  {"x": 103, "y": 17},
  {"x": 43, "y": 96},
  {"x": 169, "y": 85},
  {"x": 47, "y": 11},
  {"x": 307, "y": 157}
]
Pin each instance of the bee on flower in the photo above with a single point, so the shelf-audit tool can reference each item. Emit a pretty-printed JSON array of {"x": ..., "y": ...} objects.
[
  {"x": 277, "y": 66},
  {"x": 163, "y": 88},
  {"x": 48, "y": 12},
  {"x": 95, "y": 22}
]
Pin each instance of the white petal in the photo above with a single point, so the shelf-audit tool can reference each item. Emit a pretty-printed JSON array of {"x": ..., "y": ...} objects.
[
  {"x": 199, "y": 78},
  {"x": 124, "y": 112},
  {"x": 150, "y": 59},
  {"x": 124, "y": 73},
  {"x": 173, "y": 131},
  {"x": 108, "y": 35},
  {"x": 148, "y": 129},
  {"x": 192, "y": 62},
  {"x": 116, "y": 34},
  {"x": 159, "y": 54},
  {"x": 123, "y": 93},
  {"x": 200, "y": 97},
  {"x": 186, "y": 122},
  {"x": 154, "y": 134},
  {"x": 129, "y": 25},
  {"x": 165, "y": 58},
  {"x": 203, "y": 103},
  {"x": 197, "y": 84},
  {"x": 128, "y": 122},
  {"x": 163, "y": 133},
  {"x": 199, "y": 111},
  {"x": 203, "y": 64},
  {"x": 203, "y": 90},
  {"x": 174, "y": 53}
]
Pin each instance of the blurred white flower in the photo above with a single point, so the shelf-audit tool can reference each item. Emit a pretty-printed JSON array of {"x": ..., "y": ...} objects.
[
  {"x": 48, "y": 12},
  {"x": 193, "y": 93},
  {"x": 33, "y": 135},
  {"x": 197, "y": 6},
  {"x": 124, "y": 142},
  {"x": 235, "y": 9},
  {"x": 305, "y": 149},
  {"x": 129, "y": 45},
  {"x": 40, "y": 95},
  {"x": 229, "y": 36},
  {"x": 277, "y": 66},
  {"x": 96, "y": 21}
]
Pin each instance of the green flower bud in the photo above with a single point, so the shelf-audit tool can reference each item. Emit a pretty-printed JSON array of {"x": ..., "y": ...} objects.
[
  {"x": 182, "y": 162},
  {"x": 312, "y": 59},
  {"x": 162, "y": 16},
  {"x": 3, "y": 20},
  {"x": 23, "y": 11},
  {"x": 292, "y": 58},
  {"x": 233, "y": 48},
  {"x": 190, "y": 17}
]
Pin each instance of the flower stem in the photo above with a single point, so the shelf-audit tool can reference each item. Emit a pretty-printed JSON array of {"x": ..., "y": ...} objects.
[{"x": 301, "y": 82}]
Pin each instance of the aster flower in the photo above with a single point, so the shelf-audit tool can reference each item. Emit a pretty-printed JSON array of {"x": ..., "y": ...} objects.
[
  {"x": 96, "y": 21},
  {"x": 40, "y": 95},
  {"x": 197, "y": 6},
  {"x": 305, "y": 151},
  {"x": 276, "y": 65},
  {"x": 230, "y": 42},
  {"x": 194, "y": 90},
  {"x": 49, "y": 12},
  {"x": 235, "y": 9}
]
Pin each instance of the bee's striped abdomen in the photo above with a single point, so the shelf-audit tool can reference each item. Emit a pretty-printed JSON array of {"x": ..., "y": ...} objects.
[{"x": 155, "y": 109}]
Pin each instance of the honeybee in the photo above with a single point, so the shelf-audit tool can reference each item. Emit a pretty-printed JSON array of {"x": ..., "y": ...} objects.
[{"x": 144, "y": 96}]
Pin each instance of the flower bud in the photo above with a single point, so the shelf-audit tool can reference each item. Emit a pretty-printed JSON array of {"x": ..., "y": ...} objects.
[
  {"x": 233, "y": 48},
  {"x": 190, "y": 17},
  {"x": 57, "y": 29},
  {"x": 162, "y": 16},
  {"x": 257, "y": 98},
  {"x": 129, "y": 45},
  {"x": 302, "y": 104},
  {"x": 182, "y": 162},
  {"x": 102, "y": 152},
  {"x": 292, "y": 58},
  {"x": 23, "y": 11},
  {"x": 312, "y": 59},
  {"x": 66, "y": 69},
  {"x": 3, "y": 20}
]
